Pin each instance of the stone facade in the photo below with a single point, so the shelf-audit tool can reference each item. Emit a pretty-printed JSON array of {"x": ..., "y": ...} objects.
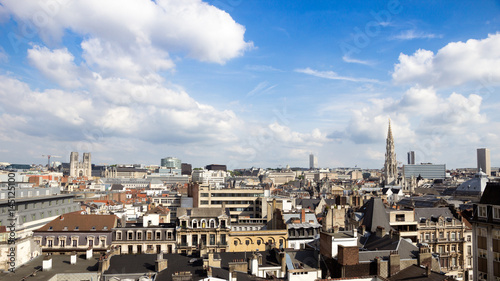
[{"x": 80, "y": 169}]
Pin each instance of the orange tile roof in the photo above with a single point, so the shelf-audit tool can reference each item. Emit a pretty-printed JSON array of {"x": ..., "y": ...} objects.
[{"x": 83, "y": 222}]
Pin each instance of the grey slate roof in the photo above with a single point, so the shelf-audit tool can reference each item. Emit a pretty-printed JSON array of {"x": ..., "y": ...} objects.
[
  {"x": 491, "y": 194},
  {"x": 144, "y": 263},
  {"x": 406, "y": 250},
  {"x": 375, "y": 215},
  {"x": 416, "y": 273},
  {"x": 200, "y": 212},
  {"x": 429, "y": 213}
]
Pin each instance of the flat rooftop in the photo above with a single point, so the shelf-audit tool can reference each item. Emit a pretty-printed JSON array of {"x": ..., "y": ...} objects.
[{"x": 60, "y": 264}]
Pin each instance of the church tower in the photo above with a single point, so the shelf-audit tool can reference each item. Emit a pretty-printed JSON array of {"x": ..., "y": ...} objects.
[{"x": 390, "y": 166}]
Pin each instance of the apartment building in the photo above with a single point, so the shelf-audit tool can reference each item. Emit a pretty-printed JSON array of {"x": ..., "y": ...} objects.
[
  {"x": 404, "y": 222},
  {"x": 240, "y": 202},
  {"x": 444, "y": 233},
  {"x": 202, "y": 229},
  {"x": 486, "y": 233},
  {"x": 76, "y": 232}
]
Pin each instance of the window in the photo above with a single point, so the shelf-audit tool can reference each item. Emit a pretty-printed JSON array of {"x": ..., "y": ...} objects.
[
  {"x": 427, "y": 236},
  {"x": 453, "y": 248},
  {"x": 469, "y": 250},
  {"x": 33, "y": 217},
  {"x": 158, "y": 235},
  {"x": 482, "y": 253},
  {"x": 49, "y": 243},
  {"x": 496, "y": 212},
  {"x": 482, "y": 211},
  {"x": 496, "y": 234},
  {"x": 212, "y": 239},
  {"x": 453, "y": 236},
  {"x": 441, "y": 249},
  {"x": 63, "y": 242},
  {"x": 130, "y": 236},
  {"x": 75, "y": 243},
  {"x": 149, "y": 235},
  {"x": 118, "y": 235},
  {"x": 441, "y": 235},
  {"x": 496, "y": 256},
  {"x": 482, "y": 232},
  {"x": 169, "y": 235},
  {"x": 400, "y": 217},
  {"x": 139, "y": 235}
]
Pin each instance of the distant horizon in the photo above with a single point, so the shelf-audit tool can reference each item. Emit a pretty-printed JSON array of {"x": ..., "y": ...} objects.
[{"x": 250, "y": 83}]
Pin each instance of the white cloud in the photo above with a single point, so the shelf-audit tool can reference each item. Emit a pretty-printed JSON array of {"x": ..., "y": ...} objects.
[
  {"x": 413, "y": 34},
  {"x": 351, "y": 60},
  {"x": 3, "y": 56},
  {"x": 57, "y": 65},
  {"x": 418, "y": 113},
  {"x": 200, "y": 30},
  {"x": 333, "y": 76},
  {"x": 455, "y": 64}
]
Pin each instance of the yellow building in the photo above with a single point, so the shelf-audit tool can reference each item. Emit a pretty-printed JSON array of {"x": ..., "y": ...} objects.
[{"x": 256, "y": 239}]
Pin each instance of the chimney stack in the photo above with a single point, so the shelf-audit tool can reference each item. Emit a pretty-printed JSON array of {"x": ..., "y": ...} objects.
[{"x": 303, "y": 216}]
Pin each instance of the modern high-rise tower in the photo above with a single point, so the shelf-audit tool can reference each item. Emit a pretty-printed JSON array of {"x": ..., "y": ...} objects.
[
  {"x": 483, "y": 161},
  {"x": 391, "y": 165},
  {"x": 313, "y": 162},
  {"x": 411, "y": 157}
]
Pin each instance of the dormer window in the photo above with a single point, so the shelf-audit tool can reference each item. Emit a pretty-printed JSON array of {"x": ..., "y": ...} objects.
[
  {"x": 93, "y": 228},
  {"x": 50, "y": 228},
  {"x": 105, "y": 228},
  {"x": 482, "y": 211},
  {"x": 77, "y": 228},
  {"x": 65, "y": 228}
]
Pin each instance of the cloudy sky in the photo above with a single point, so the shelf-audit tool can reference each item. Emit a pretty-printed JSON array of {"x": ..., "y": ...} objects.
[{"x": 249, "y": 83}]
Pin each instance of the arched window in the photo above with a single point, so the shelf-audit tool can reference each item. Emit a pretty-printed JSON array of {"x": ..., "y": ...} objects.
[
  {"x": 195, "y": 224},
  {"x": 212, "y": 223}
]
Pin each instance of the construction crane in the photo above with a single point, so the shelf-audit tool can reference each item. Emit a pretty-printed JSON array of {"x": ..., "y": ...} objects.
[{"x": 48, "y": 158}]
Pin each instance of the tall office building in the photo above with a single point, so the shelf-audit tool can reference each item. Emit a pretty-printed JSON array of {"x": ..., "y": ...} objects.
[
  {"x": 483, "y": 161},
  {"x": 171, "y": 162},
  {"x": 313, "y": 162},
  {"x": 411, "y": 157}
]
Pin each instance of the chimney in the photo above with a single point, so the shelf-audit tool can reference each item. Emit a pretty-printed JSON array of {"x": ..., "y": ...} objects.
[
  {"x": 73, "y": 258},
  {"x": 380, "y": 232},
  {"x": 89, "y": 253},
  {"x": 362, "y": 230},
  {"x": 303, "y": 216},
  {"x": 424, "y": 256},
  {"x": 47, "y": 263},
  {"x": 394, "y": 263},
  {"x": 283, "y": 262},
  {"x": 160, "y": 263}
]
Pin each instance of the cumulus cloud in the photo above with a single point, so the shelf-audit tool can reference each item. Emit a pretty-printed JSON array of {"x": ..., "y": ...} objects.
[
  {"x": 333, "y": 75},
  {"x": 193, "y": 27},
  {"x": 57, "y": 65},
  {"x": 419, "y": 112},
  {"x": 455, "y": 64}
]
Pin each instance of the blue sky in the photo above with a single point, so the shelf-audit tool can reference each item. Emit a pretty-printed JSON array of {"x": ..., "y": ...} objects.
[{"x": 249, "y": 83}]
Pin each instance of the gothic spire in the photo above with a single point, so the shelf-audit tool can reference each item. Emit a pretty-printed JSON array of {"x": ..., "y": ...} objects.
[{"x": 390, "y": 166}]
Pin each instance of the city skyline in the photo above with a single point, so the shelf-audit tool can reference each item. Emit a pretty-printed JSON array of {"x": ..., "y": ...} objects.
[{"x": 249, "y": 83}]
